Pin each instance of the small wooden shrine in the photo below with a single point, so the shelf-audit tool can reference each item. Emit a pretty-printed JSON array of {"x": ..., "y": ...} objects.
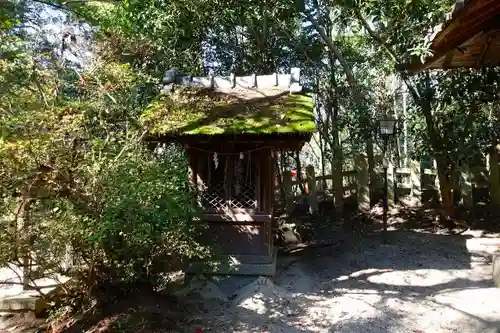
[{"x": 231, "y": 128}]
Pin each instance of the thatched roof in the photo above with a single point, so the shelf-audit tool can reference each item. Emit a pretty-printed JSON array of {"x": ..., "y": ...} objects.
[
  {"x": 470, "y": 39},
  {"x": 233, "y": 107}
]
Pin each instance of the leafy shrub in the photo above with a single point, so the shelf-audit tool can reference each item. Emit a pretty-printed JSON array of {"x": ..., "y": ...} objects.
[
  {"x": 76, "y": 180},
  {"x": 147, "y": 212}
]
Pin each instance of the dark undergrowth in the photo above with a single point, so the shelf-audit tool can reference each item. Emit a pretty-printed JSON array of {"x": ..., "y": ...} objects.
[
  {"x": 125, "y": 309},
  {"x": 122, "y": 308}
]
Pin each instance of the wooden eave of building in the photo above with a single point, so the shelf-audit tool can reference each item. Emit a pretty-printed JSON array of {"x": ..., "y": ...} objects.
[
  {"x": 470, "y": 40},
  {"x": 226, "y": 143}
]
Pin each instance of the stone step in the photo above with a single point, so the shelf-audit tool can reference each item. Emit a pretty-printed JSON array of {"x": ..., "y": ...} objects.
[
  {"x": 23, "y": 302},
  {"x": 260, "y": 266}
]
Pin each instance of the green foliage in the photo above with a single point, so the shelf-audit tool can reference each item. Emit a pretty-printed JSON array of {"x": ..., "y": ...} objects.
[
  {"x": 75, "y": 176},
  {"x": 152, "y": 35},
  {"x": 151, "y": 212},
  {"x": 406, "y": 26}
]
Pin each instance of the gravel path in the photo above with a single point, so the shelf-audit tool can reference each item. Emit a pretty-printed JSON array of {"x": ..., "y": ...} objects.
[{"x": 416, "y": 283}]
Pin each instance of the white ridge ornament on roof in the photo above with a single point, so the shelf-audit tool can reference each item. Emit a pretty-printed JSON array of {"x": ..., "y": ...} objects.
[{"x": 282, "y": 82}]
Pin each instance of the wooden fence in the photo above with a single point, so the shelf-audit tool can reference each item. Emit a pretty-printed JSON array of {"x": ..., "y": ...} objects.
[{"x": 421, "y": 184}]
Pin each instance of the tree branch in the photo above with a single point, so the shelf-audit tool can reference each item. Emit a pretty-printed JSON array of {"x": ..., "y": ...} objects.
[
  {"x": 62, "y": 5},
  {"x": 31, "y": 284},
  {"x": 372, "y": 33},
  {"x": 469, "y": 118},
  {"x": 413, "y": 91},
  {"x": 331, "y": 46},
  {"x": 128, "y": 146},
  {"x": 50, "y": 4}
]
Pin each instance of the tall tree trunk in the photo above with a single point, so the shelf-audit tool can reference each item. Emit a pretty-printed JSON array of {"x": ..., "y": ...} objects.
[
  {"x": 370, "y": 155},
  {"x": 442, "y": 163},
  {"x": 398, "y": 158},
  {"x": 326, "y": 126},
  {"x": 423, "y": 99},
  {"x": 337, "y": 157},
  {"x": 22, "y": 238},
  {"x": 493, "y": 160},
  {"x": 299, "y": 172},
  {"x": 455, "y": 179},
  {"x": 337, "y": 171},
  {"x": 494, "y": 176},
  {"x": 445, "y": 186},
  {"x": 323, "y": 160},
  {"x": 405, "y": 132},
  {"x": 359, "y": 99}
]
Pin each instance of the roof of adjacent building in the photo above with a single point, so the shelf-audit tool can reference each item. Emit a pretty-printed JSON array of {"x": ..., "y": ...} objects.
[
  {"x": 269, "y": 104},
  {"x": 470, "y": 39}
]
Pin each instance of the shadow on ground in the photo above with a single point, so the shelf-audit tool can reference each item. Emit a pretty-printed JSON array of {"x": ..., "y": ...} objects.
[
  {"x": 411, "y": 282},
  {"x": 347, "y": 278}
]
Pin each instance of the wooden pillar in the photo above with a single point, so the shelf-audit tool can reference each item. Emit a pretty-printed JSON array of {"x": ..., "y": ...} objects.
[
  {"x": 267, "y": 185},
  {"x": 466, "y": 187},
  {"x": 312, "y": 197},
  {"x": 269, "y": 188},
  {"x": 363, "y": 177},
  {"x": 195, "y": 164},
  {"x": 191, "y": 170},
  {"x": 287, "y": 185},
  {"x": 227, "y": 179},
  {"x": 265, "y": 180},
  {"x": 272, "y": 180}
]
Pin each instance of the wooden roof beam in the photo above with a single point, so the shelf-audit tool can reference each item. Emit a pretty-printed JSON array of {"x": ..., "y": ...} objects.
[
  {"x": 476, "y": 16},
  {"x": 484, "y": 50},
  {"x": 468, "y": 23},
  {"x": 448, "y": 58}
]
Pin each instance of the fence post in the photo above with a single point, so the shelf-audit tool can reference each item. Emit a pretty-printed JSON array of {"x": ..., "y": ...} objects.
[
  {"x": 68, "y": 260},
  {"x": 436, "y": 179},
  {"x": 496, "y": 268},
  {"x": 390, "y": 184},
  {"x": 416, "y": 184},
  {"x": 466, "y": 187},
  {"x": 287, "y": 186},
  {"x": 363, "y": 182},
  {"x": 312, "y": 197}
]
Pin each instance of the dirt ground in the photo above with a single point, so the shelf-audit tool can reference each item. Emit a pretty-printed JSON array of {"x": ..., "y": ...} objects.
[
  {"x": 415, "y": 282},
  {"x": 420, "y": 279}
]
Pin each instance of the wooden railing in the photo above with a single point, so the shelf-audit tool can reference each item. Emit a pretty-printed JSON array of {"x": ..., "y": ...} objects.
[{"x": 410, "y": 181}]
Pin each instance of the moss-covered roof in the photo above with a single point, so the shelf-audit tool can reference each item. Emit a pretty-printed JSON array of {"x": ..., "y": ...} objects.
[{"x": 191, "y": 111}]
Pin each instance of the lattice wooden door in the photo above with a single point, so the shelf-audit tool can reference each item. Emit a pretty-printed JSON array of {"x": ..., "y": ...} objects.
[{"x": 230, "y": 183}]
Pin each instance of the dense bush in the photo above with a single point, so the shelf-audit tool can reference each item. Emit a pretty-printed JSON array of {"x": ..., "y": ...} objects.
[
  {"x": 138, "y": 225},
  {"x": 145, "y": 224},
  {"x": 76, "y": 180}
]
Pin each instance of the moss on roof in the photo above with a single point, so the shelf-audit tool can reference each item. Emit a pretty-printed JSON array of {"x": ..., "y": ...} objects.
[{"x": 191, "y": 111}]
